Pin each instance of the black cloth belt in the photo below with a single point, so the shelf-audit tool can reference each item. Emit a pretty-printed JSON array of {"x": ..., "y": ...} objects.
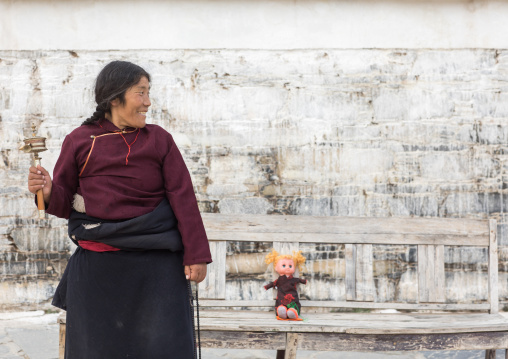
[{"x": 155, "y": 230}]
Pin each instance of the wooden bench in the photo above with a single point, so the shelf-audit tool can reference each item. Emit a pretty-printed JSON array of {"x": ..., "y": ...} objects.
[{"x": 433, "y": 319}]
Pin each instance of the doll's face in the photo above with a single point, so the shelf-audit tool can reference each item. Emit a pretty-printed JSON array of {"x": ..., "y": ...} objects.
[{"x": 285, "y": 267}]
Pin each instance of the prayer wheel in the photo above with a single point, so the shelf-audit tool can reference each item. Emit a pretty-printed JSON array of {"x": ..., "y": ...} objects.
[{"x": 35, "y": 145}]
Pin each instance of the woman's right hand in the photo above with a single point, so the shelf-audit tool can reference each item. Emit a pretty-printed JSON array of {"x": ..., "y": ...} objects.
[{"x": 39, "y": 178}]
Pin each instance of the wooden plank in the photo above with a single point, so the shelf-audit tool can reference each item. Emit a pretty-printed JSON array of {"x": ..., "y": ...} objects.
[
  {"x": 364, "y": 273},
  {"x": 291, "y": 346},
  {"x": 307, "y": 304},
  {"x": 431, "y": 288},
  {"x": 324, "y": 327},
  {"x": 356, "y": 323},
  {"x": 242, "y": 340},
  {"x": 214, "y": 285},
  {"x": 395, "y": 319},
  {"x": 61, "y": 341},
  {"x": 351, "y": 342},
  {"x": 374, "y": 343},
  {"x": 493, "y": 269},
  {"x": 284, "y": 247},
  {"x": 439, "y": 295},
  {"x": 383, "y": 238},
  {"x": 343, "y": 225},
  {"x": 424, "y": 331},
  {"x": 424, "y": 266},
  {"x": 380, "y": 319},
  {"x": 350, "y": 272},
  {"x": 490, "y": 354}
]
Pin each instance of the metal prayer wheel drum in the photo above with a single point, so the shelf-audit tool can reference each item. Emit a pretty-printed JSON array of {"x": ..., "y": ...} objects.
[{"x": 35, "y": 145}]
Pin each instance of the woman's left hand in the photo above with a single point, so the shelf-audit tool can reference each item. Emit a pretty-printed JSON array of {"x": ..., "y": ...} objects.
[{"x": 196, "y": 272}]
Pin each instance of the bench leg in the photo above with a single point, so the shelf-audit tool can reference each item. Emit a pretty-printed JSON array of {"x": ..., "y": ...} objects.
[
  {"x": 61, "y": 342},
  {"x": 291, "y": 347},
  {"x": 490, "y": 354}
]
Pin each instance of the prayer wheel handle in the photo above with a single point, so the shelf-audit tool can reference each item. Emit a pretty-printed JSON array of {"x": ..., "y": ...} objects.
[{"x": 35, "y": 145}]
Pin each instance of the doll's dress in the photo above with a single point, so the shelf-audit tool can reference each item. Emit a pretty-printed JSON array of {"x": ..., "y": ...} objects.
[{"x": 287, "y": 294}]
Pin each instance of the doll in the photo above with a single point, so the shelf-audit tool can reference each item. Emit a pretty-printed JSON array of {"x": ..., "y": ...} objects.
[{"x": 287, "y": 304}]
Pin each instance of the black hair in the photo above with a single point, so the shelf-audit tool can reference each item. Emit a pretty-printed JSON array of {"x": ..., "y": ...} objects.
[{"x": 112, "y": 83}]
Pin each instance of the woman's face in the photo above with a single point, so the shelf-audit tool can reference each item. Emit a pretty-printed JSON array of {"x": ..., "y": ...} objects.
[
  {"x": 132, "y": 113},
  {"x": 285, "y": 267}
]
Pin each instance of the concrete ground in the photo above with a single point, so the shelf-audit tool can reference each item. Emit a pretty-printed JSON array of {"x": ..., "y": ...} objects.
[{"x": 34, "y": 335}]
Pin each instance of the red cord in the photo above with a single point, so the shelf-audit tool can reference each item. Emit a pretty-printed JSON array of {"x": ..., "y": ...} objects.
[
  {"x": 128, "y": 153},
  {"x": 107, "y": 134}
]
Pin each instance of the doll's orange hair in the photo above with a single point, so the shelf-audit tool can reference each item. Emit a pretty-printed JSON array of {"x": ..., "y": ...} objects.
[{"x": 274, "y": 257}]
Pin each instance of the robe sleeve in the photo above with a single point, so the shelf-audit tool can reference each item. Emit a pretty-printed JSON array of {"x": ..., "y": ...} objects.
[
  {"x": 65, "y": 182},
  {"x": 180, "y": 193},
  {"x": 270, "y": 285}
]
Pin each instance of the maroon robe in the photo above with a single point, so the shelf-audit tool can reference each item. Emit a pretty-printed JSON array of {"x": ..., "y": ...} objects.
[{"x": 119, "y": 182}]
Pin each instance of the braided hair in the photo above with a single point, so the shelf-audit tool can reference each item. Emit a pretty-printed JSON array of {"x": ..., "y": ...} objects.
[{"x": 112, "y": 83}]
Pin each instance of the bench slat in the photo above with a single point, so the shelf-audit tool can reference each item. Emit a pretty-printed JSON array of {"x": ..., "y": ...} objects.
[
  {"x": 493, "y": 270},
  {"x": 362, "y": 323},
  {"x": 214, "y": 285},
  {"x": 242, "y": 340},
  {"x": 350, "y": 272},
  {"x": 431, "y": 274},
  {"x": 344, "y": 225},
  {"x": 364, "y": 273},
  {"x": 402, "y": 342},
  {"x": 349, "y": 304},
  {"x": 286, "y": 248},
  {"x": 359, "y": 273},
  {"x": 384, "y": 319},
  {"x": 352, "y": 342},
  {"x": 359, "y": 238}
]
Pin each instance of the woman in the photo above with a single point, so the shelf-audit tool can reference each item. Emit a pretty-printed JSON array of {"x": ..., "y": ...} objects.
[{"x": 132, "y": 211}]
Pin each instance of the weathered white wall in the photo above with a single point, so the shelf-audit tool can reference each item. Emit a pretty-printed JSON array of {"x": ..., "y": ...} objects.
[
  {"x": 252, "y": 24},
  {"x": 354, "y": 108},
  {"x": 319, "y": 132}
]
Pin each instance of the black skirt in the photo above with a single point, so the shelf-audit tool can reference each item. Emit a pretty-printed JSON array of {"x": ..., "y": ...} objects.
[{"x": 126, "y": 305}]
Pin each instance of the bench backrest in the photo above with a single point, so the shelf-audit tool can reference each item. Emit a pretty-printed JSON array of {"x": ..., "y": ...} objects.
[{"x": 355, "y": 238}]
